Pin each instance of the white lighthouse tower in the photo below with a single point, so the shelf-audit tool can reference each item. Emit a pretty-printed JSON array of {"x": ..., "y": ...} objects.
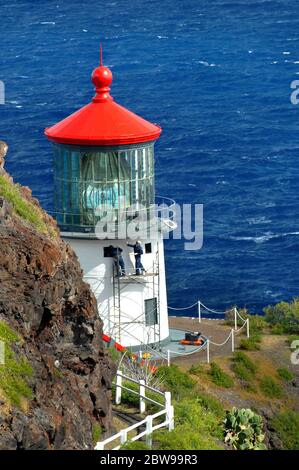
[{"x": 104, "y": 171}]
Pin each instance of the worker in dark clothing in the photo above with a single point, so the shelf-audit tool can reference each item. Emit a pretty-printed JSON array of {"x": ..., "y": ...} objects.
[
  {"x": 138, "y": 251},
  {"x": 119, "y": 263}
]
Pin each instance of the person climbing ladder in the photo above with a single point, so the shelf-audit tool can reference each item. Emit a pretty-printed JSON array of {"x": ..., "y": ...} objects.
[{"x": 138, "y": 251}]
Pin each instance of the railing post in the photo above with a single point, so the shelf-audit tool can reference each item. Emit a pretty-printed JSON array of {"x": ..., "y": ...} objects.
[
  {"x": 142, "y": 394},
  {"x": 99, "y": 446},
  {"x": 247, "y": 328},
  {"x": 118, "y": 387},
  {"x": 199, "y": 312},
  {"x": 168, "y": 357},
  {"x": 233, "y": 340},
  {"x": 123, "y": 436},
  {"x": 169, "y": 411},
  {"x": 208, "y": 351},
  {"x": 236, "y": 319},
  {"x": 149, "y": 430}
]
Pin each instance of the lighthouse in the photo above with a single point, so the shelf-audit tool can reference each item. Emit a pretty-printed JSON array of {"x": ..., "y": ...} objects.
[{"x": 104, "y": 191}]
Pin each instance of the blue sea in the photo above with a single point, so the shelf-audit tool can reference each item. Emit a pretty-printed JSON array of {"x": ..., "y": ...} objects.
[{"x": 216, "y": 76}]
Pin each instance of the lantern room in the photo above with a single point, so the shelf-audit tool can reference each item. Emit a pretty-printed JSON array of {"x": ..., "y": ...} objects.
[{"x": 103, "y": 161}]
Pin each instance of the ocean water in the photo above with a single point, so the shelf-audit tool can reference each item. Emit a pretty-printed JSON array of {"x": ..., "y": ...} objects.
[{"x": 216, "y": 76}]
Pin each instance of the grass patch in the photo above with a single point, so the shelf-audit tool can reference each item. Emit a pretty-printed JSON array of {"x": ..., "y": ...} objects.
[
  {"x": 176, "y": 381},
  {"x": 252, "y": 343},
  {"x": 96, "y": 432},
  {"x": 210, "y": 403},
  {"x": 271, "y": 388},
  {"x": 137, "y": 445},
  {"x": 219, "y": 377},
  {"x": 21, "y": 206},
  {"x": 196, "y": 370},
  {"x": 196, "y": 428},
  {"x": 245, "y": 369},
  {"x": 285, "y": 374},
  {"x": 16, "y": 371},
  {"x": 286, "y": 426}
]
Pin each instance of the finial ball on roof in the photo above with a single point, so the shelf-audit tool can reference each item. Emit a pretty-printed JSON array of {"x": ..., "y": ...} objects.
[{"x": 102, "y": 77}]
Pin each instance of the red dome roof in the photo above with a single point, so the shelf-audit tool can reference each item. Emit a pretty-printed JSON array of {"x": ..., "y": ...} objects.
[{"x": 103, "y": 122}]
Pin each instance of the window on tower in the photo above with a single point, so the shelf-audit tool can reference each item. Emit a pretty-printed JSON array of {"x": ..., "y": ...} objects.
[{"x": 151, "y": 311}]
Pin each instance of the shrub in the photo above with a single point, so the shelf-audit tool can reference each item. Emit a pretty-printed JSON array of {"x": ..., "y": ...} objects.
[
  {"x": 242, "y": 358},
  {"x": 179, "y": 383},
  {"x": 244, "y": 430},
  {"x": 219, "y": 377},
  {"x": 196, "y": 370},
  {"x": 257, "y": 323},
  {"x": 184, "y": 438},
  {"x": 270, "y": 387},
  {"x": 252, "y": 343},
  {"x": 285, "y": 374},
  {"x": 196, "y": 428},
  {"x": 285, "y": 315},
  {"x": 286, "y": 426}
]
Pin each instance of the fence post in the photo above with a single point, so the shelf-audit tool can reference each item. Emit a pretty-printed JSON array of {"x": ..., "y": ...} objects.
[
  {"x": 149, "y": 430},
  {"x": 199, "y": 312},
  {"x": 233, "y": 340},
  {"x": 208, "y": 351},
  {"x": 118, "y": 387},
  {"x": 168, "y": 357},
  {"x": 236, "y": 319},
  {"x": 169, "y": 411},
  {"x": 123, "y": 436},
  {"x": 247, "y": 328},
  {"x": 99, "y": 446},
  {"x": 142, "y": 394}
]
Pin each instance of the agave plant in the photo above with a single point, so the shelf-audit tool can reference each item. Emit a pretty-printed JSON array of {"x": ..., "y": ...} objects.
[{"x": 244, "y": 429}]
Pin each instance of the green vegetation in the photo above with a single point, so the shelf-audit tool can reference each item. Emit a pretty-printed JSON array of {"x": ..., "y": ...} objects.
[
  {"x": 219, "y": 377},
  {"x": 196, "y": 369},
  {"x": 243, "y": 430},
  {"x": 96, "y": 431},
  {"x": 16, "y": 371},
  {"x": 243, "y": 367},
  {"x": 286, "y": 425},
  {"x": 271, "y": 388},
  {"x": 285, "y": 374},
  {"x": 24, "y": 208},
  {"x": 176, "y": 381},
  {"x": 292, "y": 338},
  {"x": 196, "y": 428},
  {"x": 284, "y": 316},
  {"x": 209, "y": 403},
  {"x": 252, "y": 343},
  {"x": 137, "y": 445}
]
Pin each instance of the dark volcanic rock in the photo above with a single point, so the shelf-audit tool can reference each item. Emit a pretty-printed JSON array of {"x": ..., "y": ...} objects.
[{"x": 44, "y": 298}]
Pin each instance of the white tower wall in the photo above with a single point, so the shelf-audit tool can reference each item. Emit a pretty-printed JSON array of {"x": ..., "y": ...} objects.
[{"x": 127, "y": 325}]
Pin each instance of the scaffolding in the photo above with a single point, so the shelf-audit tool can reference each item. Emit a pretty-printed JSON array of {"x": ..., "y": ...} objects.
[{"x": 120, "y": 284}]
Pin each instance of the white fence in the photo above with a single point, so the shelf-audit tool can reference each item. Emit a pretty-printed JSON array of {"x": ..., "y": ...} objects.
[{"x": 167, "y": 412}]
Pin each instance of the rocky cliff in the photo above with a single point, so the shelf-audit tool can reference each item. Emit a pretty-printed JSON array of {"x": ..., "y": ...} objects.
[{"x": 55, "y": 385}]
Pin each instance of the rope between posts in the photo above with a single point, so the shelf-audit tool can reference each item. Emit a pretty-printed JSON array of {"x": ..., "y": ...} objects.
[
  {"x": 182, "y": 308},
  {"x": 216, "y": 311},
  {"x": 241, "y": 328},
  {"x": 240, "y": 316},
  {"x": 224, "y": 342}
]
